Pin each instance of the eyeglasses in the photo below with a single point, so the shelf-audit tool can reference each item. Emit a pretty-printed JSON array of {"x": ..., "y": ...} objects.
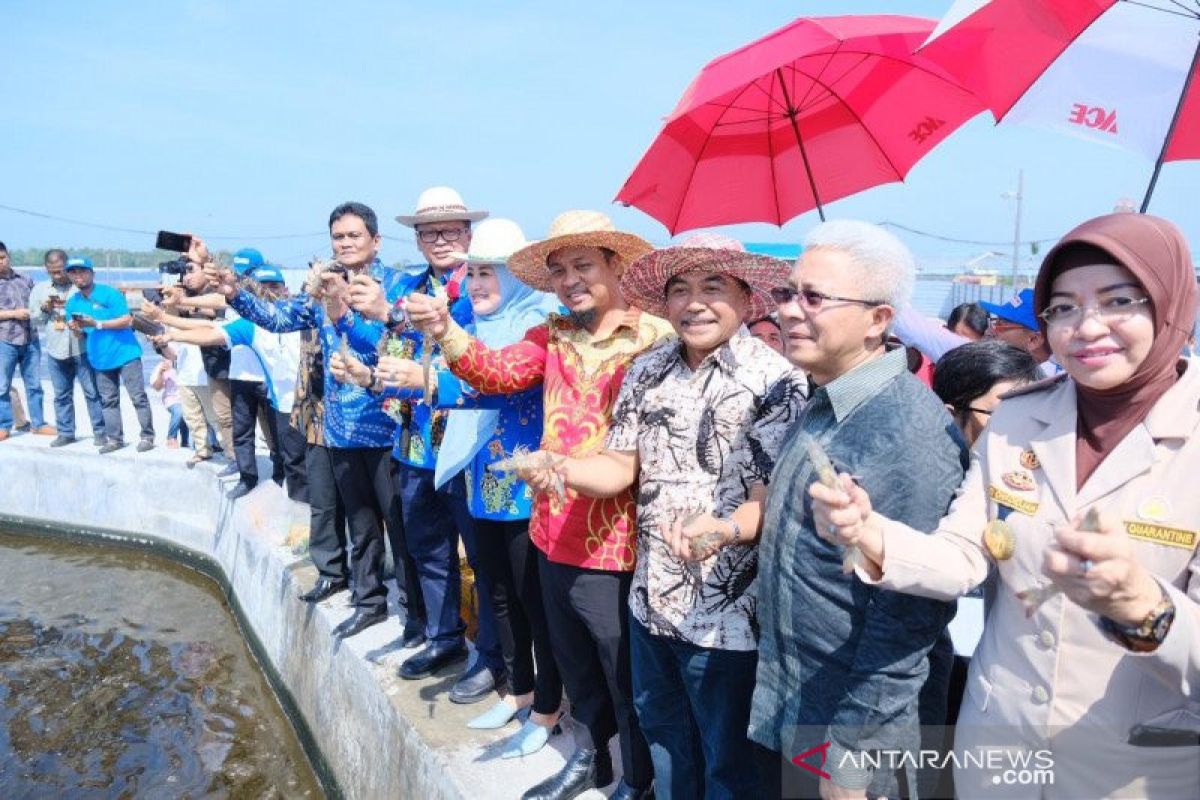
[
  {"x": 1110, "y": 311},
  {"x": 448, "y": 234},
  {"x": 812, "y": 299}
]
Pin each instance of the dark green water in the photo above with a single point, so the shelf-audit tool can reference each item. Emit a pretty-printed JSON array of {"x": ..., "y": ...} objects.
[{"x": 124, "y": 675}]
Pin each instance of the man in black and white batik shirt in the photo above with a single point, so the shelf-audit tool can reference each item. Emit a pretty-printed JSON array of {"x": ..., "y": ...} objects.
[{"x": 697, "y": 424}]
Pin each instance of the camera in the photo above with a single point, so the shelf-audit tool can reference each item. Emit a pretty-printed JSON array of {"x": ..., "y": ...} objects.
[{"x": 178, "y": 266}]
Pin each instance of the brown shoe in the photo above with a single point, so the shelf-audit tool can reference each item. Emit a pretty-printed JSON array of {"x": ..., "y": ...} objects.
[{"x": 46, "y": 430}]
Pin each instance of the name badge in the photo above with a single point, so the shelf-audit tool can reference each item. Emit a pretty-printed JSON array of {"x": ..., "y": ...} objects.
[
  {"x": 1010, "y": 500},
  {"x": 1161, "y": 534}
]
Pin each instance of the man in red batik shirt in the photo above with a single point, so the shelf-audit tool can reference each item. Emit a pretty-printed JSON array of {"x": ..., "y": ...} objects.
[{"x": 586, "y": 545}]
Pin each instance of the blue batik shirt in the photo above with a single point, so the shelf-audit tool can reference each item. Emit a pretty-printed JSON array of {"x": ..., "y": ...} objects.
[
  {"x": 419, "y": 433},
  {"x": 354, "y": 417}
]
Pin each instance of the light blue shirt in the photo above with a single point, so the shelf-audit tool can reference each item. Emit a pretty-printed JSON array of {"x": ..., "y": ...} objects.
[{"x": 106, "y": 349}]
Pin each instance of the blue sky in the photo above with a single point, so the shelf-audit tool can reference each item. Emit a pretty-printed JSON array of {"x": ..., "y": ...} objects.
[{"x": 251, "y": 120}]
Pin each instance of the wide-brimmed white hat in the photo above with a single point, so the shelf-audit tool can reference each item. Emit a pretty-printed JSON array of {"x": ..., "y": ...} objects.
[
  {"x": 493, "y": 242},
  {"x": 645, "y": 282},
  {"x": 574, "y": 229},
  {"x": 440, "y": 204}
]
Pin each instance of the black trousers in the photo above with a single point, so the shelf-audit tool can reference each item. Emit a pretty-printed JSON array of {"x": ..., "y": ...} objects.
[
  {"x": 291, "y": 445},
  {"x": 248, "y": 399},
  {"x": 364, "y": 481},
  {"x": 327, "y": 523},
  {"x": 509, "y": 558},
  {"x": 588, "y": 615}
]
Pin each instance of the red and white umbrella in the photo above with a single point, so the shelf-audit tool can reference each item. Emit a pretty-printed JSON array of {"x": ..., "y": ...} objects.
[{"x": 1119, "y": 72}]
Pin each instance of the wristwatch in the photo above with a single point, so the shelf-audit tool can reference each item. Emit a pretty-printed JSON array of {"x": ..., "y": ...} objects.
[{"x": 1149, "y": 633}]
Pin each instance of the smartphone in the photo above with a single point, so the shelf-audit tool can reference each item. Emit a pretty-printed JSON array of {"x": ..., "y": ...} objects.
[
  {"x": 175, "y": 242},
  {"x": 153, "y": 295}
]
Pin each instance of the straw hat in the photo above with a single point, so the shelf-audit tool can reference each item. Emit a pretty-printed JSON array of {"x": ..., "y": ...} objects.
[
  {"x": 574, "y": 229},
  {"x": 645, "y": 282},
  {"x": 440, "y": 204},
  {"x": 493, "y": 242}
]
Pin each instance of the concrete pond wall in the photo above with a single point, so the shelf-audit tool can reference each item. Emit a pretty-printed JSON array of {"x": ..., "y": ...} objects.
[{"x": 370, "y": 734}]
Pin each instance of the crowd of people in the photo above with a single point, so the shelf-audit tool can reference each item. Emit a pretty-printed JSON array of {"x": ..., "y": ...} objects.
[{"x": 717, "y": 505}]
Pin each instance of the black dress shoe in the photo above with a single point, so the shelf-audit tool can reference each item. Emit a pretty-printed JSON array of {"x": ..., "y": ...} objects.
[
  {"x": 474, "y": 685},
  {"x": 359, "y": 622},
  {"x": 585, "y": 769},
  {"x": 62, "y": 441},
  {"x": 413, "y": 635},
  {"x": 431, "y": 659},
  {"x": 324, "y": 588},
  {"x": 626, "y": 792}
]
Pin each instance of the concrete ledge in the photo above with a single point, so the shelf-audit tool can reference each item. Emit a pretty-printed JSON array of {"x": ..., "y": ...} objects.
[{"x": 370, "y": 734}]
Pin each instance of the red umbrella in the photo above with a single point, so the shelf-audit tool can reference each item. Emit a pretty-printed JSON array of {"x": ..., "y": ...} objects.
[
  {"x": 1120, "y": 72},
  {"x": 818, "y": 110}
]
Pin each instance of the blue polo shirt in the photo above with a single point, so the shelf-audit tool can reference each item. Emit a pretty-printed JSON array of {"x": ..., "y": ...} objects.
[{"x": 105, "y": 349}]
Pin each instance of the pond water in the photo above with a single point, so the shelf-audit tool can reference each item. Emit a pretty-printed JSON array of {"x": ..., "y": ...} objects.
[{"x": 123, "y": 674}]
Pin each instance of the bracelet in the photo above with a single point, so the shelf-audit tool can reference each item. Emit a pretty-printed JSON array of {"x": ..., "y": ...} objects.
[
  {"x": 371, "y": 377},
  {"x": 99, "y": 324},
  {"x": 737, "y": 530}
]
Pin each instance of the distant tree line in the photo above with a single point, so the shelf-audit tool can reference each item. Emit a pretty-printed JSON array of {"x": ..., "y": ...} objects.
[{"x": 108, "y": 259}]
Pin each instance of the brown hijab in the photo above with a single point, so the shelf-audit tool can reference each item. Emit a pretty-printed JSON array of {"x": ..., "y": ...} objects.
[{"x": 1155, "y": 251}]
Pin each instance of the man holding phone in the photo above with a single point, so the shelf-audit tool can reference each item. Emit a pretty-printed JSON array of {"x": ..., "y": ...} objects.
[
  {"x": 358, "y": 434},
  {"x": 66, "y": 356},
  {"x": 100, "y": 313}
]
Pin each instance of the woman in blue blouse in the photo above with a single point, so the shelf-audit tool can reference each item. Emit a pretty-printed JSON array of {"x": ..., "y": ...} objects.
[{"x": 481, "y": 431}]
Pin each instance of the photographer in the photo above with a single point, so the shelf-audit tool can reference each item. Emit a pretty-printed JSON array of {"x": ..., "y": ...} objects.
[
  {"x": 277, "y": 359},
  {"x": 66, "y": 357},
  {"x": 203, "y": 372},
  {"x": 100, "y": 313}
]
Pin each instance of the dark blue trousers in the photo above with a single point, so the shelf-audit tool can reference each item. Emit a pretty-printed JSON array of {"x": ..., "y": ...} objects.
[
  {"x": 433, "y": 520},
  {"x": 693, "y": 704}
]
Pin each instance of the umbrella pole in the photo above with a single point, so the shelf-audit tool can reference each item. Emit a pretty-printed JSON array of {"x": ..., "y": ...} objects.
[
  {"x": 1187, "y": 82},
  {"x": 791, "y": 113}
]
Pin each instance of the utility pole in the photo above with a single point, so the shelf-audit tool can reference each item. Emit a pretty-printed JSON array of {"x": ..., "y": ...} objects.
[{"x": 1017, "y": 228}]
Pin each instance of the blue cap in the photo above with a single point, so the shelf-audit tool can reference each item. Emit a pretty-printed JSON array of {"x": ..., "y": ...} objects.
[
  {"x": 80, "y": 262},
  {"x": 247, "y": 259},
  {"x": 1018, "y": 310},
  {"x": 268, "y": 273}
]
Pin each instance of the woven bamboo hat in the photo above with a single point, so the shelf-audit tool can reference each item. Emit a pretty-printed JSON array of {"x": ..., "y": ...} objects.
[
  {"x": 574, "y": 229},
  {"x": 645, "y": 282}
]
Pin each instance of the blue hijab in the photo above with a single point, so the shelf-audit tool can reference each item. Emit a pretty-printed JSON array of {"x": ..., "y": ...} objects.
[{"x": 520, "y": 309}]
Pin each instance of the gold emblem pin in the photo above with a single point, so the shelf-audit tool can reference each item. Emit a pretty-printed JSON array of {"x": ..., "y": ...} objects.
[
  {"x": 1154, "y": 509},
  {"x": 1018, "y": 481},
  {"x": 1029, "y": 460},
  {"x": 999, "y": 540}
]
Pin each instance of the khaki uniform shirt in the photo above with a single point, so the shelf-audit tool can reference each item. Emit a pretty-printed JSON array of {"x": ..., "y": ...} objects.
[{"x": 1054, "y": 680}]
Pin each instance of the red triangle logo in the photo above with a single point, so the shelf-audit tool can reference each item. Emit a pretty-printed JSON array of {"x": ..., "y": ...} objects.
[{"x": 823, "y": 751}]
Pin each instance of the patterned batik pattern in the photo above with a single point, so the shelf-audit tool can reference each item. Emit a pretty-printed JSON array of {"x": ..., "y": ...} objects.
[
  {"x": 581, "y": 377},
  {"x": 703, "y": 438}
]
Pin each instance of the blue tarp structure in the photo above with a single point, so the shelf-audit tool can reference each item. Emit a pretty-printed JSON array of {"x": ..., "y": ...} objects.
[{"x": 776, "y": 249}]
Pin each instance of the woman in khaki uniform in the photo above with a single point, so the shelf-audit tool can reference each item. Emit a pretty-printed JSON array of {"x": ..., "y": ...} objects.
[{"x": 1090, "y": 657}]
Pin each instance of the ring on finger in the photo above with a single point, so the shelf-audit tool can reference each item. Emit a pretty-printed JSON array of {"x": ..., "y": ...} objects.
[
  {"x": 1085, "y": 566},
  {"x": 831, "y": 530}
]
